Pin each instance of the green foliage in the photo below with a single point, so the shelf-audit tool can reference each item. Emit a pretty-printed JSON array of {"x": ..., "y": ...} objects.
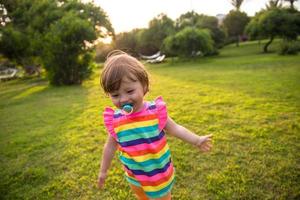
[
  {"x": 289, "y": 47},
  {"x": 274, "y": 4},
  {"x": 279, "y": 22},
  {"x": 146, "y": 41},
  {"x": 13, "y": 44},
  {"x": 237, "y": 4},
  {"x": 235, "y": 23},
  {"x": 189, "y": 41},
  {"x": 150, "y": 40},
  {"x": 188, "y": 19},
  {"x": 291, "y": 3},
  {"x": 128, "y": 41},
  {"x": 68, "y": 64},
  {"x": 193, "y": 19},
  {"x": 211, "y": 23},
  {"x": 253, "y": 29},
  {"x": 275, "y": 22},
  {"x": 57, "y": 33}
]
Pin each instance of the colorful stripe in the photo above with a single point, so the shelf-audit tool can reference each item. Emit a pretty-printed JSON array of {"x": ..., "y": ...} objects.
[
  {"x": 147, "y": 157},
  {"x": 143, "y": 147},
  {"x": 146, "y": 163},
  {"x": 161, "y": 192},
  {"x": 129, "y": 120},
  {"x": 143, "y": 150},
  {"x": 149, "y": 134},
  {"x": 151, "y": 173},
  {"x": 139, "y": 124},
  {"x": 142, "y": 140},
  {"x": 152, "y": 150}
]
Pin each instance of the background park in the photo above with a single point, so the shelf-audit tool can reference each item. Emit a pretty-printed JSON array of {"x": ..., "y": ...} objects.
[{"x": 235, "y": 76}]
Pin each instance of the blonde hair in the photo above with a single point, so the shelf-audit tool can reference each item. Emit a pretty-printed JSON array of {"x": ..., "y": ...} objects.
[{"x": 118, "y": 65}]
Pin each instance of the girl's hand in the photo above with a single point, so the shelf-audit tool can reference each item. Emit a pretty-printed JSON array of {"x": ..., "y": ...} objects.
[
  {"x": 101, "y": 179},
  {"x": 204, "y": 143}
]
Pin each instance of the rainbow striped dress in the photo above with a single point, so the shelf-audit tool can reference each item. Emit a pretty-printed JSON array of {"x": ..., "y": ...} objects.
[{"x": 142, "y": 147}]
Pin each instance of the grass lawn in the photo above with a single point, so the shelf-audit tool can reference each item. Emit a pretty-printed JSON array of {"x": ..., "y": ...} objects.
[{"x": 51, "y": 138}]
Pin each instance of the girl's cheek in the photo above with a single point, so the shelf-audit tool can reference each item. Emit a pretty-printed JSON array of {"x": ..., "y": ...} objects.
[{"x": 115, "y": 102}]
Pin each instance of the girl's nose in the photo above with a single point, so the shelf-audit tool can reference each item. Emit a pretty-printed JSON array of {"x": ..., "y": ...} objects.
[{"x": 123, "y": 99}]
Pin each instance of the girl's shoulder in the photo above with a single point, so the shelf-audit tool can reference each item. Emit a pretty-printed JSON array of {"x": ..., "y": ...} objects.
[
  {"x": 155, "y": 105},
  {"x": 155, "y": 109},
  {"x": 159, "y": 108}
]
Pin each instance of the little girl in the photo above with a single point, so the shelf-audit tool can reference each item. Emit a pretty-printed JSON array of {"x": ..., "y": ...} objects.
[{"x": 139, "y": 133}]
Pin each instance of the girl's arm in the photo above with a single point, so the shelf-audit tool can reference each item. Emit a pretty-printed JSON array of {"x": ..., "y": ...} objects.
[
  {"x": 109, "y": 150},
  {"x": 202, "y": 142}
]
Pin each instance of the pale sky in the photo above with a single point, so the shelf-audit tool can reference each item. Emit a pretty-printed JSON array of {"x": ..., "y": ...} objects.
[{"x": 126, "y": 15}]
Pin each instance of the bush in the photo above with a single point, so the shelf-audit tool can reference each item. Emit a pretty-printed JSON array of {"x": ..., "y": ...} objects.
[
  {"x": 289, "y": 47},
  {"x": 188, "y": 41},
  {"x": 56, "y": 34},
  {"x": 13, "y": 44},
  {"x": 66, "y": 58}
]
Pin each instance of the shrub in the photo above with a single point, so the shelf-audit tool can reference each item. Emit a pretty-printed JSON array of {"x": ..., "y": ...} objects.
[
  {"x": 65, "y": 56},
  {"x": 56, "y": 34},
  {"x": 188, "y": 41},
  {"x": 289, "y": 47}
]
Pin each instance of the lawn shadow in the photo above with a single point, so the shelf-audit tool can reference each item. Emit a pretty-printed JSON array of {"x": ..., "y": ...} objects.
[{"x": 12, "y": 88}]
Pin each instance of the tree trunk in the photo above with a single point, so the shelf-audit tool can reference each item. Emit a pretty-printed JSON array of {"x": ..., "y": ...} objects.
[{"x": 267, "y": 44}]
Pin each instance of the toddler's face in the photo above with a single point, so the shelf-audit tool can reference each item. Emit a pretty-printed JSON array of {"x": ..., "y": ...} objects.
[{"x": 130, "y": 92}]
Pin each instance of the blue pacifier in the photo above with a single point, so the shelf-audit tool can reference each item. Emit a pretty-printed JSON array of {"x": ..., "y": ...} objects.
[{"x": 127, "y": 109}]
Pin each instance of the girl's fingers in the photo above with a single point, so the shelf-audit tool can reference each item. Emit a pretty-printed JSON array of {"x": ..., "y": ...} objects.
[
  {"x": 208, "y": 142},
  {"x": 203, "y": 139},
  {"x": 205, "y": 143},
  {"x": 101, "y": 181},
  {"x": 206, "y": 147},
  {"x": 209, "y": 136}
]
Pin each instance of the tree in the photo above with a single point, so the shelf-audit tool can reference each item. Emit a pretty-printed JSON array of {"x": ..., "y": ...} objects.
[
  {"x": 189, "y": 42},
  {"x": 20, "y": 15},
  {"x": 128, "y": 41},
  {"x": 274, "y": 22},
  {"x": 237, "y": 4},
  {"x": 193, "y": 19},
  {"x": 235, "y": 23},
  {"x": 150, "y": 40},
  {"x": 273, "y": 4},
  {"x": 68, "y": 64},
  {"x": 253, "y": 29},
  {"x": 291, "y": 3},
  {"x": 15, "y": 45},
  {"x": 188, "y": 19},
  {"x": 55, "y": 32},
  {"x": 211, "y": 23},
  {"x": 3, "y": 15}
]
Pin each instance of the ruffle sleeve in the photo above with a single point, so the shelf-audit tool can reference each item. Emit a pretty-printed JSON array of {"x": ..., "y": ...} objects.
[
  {"x": 162, "y": 112},
  {"x": 108, "y": 117}
]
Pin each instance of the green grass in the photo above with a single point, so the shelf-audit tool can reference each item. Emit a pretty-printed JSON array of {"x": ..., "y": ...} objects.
[{"x": 51, "y": 139}]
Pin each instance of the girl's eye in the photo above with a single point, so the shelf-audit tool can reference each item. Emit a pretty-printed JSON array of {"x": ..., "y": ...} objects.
[
  {"x": 114, "y": 95},
  {"x": 130, "y": 91}
]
